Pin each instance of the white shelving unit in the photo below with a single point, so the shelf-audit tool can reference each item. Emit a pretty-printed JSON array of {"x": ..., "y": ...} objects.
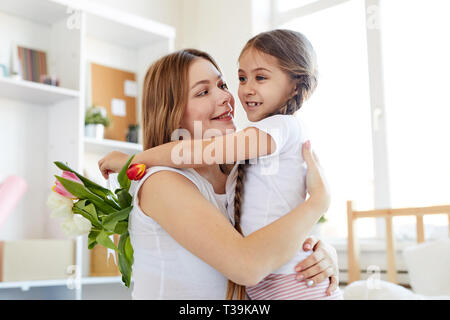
[
  {"x": 104, "y": 146},
  {"x": 26, "y": 285},
  {"x": 33, "y": 92},
  {"x": 40, "y": 124}
]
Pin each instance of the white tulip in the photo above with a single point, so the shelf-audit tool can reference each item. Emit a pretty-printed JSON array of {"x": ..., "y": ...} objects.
[
  {"x": 76, "y": 225},
  {"x": 61, "y": 206}
]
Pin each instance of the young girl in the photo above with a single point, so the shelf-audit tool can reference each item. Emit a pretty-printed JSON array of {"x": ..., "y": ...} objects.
[{"x": 277, "y": 72}]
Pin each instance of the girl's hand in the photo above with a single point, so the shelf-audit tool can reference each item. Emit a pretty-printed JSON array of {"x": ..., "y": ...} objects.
[
  {"x": 320, "y": 265},
  {"x": 112, "y": 163},
  {"x": 316, "y": 183}
]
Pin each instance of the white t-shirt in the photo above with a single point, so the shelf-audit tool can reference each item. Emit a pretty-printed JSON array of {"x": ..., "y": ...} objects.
[
  {"x": 163, "y": 269},
  {"x": 276, "y": 183}
]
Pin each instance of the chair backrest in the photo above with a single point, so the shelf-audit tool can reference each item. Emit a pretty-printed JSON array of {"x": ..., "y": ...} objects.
[{"x": 354, "y": 271}]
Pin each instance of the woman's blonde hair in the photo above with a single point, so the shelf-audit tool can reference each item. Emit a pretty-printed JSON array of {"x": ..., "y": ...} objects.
[
  {"x": 165, "y": 93},
  {"x": 296, "y": 57}
]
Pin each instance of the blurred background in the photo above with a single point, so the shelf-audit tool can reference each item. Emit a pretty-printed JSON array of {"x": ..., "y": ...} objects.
[{"x": 70, "y": 90}]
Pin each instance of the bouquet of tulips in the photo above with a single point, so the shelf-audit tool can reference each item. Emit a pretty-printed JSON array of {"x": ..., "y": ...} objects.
[{"x": 88, "y": 208}]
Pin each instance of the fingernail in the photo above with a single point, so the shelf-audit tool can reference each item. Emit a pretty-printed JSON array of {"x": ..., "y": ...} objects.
[
  {"x": 308, "y": 144},
  {"x": 298, "y": 268},
  {"x": 300, "y": 277},
  {"x": 310, "y": 283},
  {"x": 307, "y": 246}
]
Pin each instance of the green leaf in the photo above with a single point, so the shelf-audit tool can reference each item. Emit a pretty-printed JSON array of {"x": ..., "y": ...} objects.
[
  {"x": 104, "y": 240},
  {"x": 124, "y": 198},
  {"x": 94, "y": 187},
  {"x": 125, "y": 247},
  {"x": 81, "y": 192},
  {"x": 86, "y": 215},
  {"x": 92, "y": 244},
  {"x": 129, "y": 250},
  {"x": 125, "y": 269},
  {"x": 121, "y": 227},
  {"x": 93, "y": 234},
  {"x": 92, "y": 239},
  {"x": 109, "y": 222},
  {"x": 90, "y": 208},
  {"x": 125, "y": 258},
  {"x": 122, "y": 177}
]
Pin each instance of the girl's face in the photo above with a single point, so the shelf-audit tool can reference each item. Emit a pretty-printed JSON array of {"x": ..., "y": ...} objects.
[
  {"x": 209, "y": 101},
  {"x": 263, "y": 87}
]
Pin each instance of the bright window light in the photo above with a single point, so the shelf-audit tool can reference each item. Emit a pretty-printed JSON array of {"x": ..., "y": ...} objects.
[
  {"x": 416, "y": 54},
  {"x": 338, "y": 114}
]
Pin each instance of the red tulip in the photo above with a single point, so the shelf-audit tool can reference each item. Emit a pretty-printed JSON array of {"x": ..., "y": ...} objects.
[
  {"x": 136, "y": 171},
  {"x": 58, "y": 187}
]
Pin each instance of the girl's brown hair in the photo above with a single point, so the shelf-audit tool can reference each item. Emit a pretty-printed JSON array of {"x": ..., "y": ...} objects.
[
  {"x": 296, "y": 57},
  {"x": 165, "y": 95}
]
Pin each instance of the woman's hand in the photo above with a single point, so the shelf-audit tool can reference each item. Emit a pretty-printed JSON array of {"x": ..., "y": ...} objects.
[
  {"x": 112, "y": 163},
  {"x": 316, "y": 184},
  {"x": 320, "y": 265}
]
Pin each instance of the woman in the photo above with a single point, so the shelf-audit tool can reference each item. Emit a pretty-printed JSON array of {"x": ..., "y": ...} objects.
[{"x": 187, "y": 248}]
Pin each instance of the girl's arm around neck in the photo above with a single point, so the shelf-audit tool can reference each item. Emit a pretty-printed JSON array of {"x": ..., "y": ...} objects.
[
  {"x": 199, "y": 227},
  {"x": 246, "y": 144}
]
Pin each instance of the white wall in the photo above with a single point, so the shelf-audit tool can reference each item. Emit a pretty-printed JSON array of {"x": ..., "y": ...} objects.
[
  {"x": 220, "y": 28},
  {"x": 164, "y": 11}
]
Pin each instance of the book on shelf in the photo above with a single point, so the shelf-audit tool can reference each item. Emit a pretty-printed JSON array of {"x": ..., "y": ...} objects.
[{"x": 33, "y": 64}]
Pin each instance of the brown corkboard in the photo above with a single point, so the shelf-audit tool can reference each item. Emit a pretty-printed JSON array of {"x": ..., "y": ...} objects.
[
  {"x": 108, "y": 83},
  {"x": 99, "y": 265}
]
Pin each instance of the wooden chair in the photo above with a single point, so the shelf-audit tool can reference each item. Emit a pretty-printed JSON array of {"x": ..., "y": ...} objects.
[{"x": 354, "y": 271}]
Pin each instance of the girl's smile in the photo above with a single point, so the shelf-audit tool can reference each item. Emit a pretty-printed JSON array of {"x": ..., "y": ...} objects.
[{"x": 263, "y": 87}]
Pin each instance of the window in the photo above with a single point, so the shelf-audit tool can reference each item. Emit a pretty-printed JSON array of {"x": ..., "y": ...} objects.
[
  {"x": 338, "y": 113},
  {"x": 416, "y": 53},
  {"x": 414, "y": 50}
]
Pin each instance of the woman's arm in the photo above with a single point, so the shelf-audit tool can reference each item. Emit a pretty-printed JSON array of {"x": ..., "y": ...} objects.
[
  {"x": 199, "y": 227},
  {"x": 249, "y": 143}
]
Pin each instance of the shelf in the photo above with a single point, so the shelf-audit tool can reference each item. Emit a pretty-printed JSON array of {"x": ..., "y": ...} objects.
[
  {"x": 26, "y": 285},
  {"x": 40, "y": 11},
  {"x": 101, "y": 280},
  {"x": 102, "y": 22},
  {"x": 105, "y": 146},
  {"x": 116, "y": 26},
  {"x": 33, "y": 92}
]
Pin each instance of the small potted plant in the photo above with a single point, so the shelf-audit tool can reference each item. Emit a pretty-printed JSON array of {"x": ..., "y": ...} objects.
[
  {"x": 95, "y": 122},
  {"x": 132, "y": 134},
  {"x": 317, "y": 229}
]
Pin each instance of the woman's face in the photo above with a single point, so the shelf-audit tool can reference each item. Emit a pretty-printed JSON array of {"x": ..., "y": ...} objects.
[{"x": 209, "y": 104}]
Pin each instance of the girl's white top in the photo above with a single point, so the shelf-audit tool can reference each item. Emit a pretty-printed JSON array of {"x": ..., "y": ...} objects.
[
  {"x": 163, "y": 269},
  {"x": 274, "y": 184}
]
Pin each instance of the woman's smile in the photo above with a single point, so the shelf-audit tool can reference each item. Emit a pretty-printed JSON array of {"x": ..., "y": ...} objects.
[{"x": 226, "y": 116}]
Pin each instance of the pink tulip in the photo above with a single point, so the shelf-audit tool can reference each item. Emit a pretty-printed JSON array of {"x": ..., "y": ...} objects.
[{"x": 59, "y": 188}]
